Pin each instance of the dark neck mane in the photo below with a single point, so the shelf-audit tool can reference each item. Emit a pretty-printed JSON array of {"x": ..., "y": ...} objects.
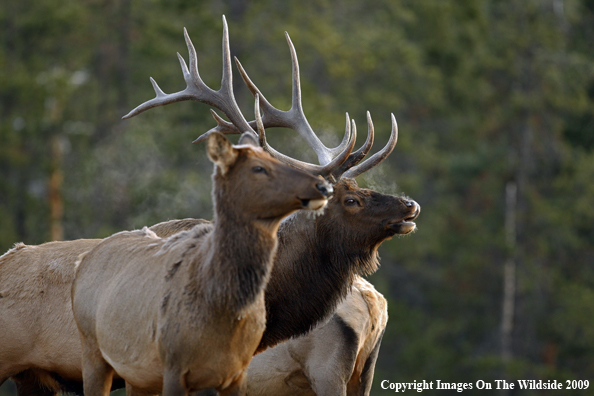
[{"x": 311, "y": 275}]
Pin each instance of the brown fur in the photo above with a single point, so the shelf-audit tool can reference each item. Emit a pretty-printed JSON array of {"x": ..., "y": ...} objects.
[
  {"x": 314, "y": 255},
  {"x": 336, "y": 358},
  {"x": 325, "y": 254},
  {"x": 35, "y": 311},
  {"x": 186, "y": 313}
]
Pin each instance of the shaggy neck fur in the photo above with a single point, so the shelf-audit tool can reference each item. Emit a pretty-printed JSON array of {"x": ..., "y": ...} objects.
[{"x": 311, "y": 276}]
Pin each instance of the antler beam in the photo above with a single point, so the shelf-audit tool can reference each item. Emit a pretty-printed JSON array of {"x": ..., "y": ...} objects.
[
  {"x": 197, "y": 90},
  {"x": 295, "y": 119}
]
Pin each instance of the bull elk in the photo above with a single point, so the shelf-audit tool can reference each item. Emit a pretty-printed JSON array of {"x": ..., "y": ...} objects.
[
  {"x": 312, "y": 255},
  {"x": 186, "y": 313}
]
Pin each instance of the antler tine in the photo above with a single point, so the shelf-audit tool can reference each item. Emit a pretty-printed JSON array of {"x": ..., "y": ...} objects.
[
  {"x": 378, "y": 157},
  {"x": 223, "y": 126},
  {"x": 294, "y": 118},
  {"x": 358, "y": 155},
  {"x": 321, "y": 170},
  {"x": 259, "y": 123},
  {"x": 297, "y": 108},
  {"x": 197, "y": 90}
]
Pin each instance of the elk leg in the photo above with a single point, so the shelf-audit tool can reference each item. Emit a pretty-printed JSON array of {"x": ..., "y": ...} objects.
[
  {"x": 97, "y": 373},
  {"x": 174, "y": 384}
]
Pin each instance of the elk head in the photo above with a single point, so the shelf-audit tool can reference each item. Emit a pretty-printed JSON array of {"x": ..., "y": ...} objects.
[
  {"x": 257, "y": 183},
  {"x": 382, "y": 215}
]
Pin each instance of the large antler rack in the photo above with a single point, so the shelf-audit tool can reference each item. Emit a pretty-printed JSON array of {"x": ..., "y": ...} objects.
[
  {"x": 224, "y": 100},
  {"x": 295, "y": 119},
  {"x": 335, "y": 163}
]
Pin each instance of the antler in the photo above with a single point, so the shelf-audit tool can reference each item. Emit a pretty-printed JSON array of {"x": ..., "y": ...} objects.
[
  {"x": 376, "y": 158},
  {"x": 295, "y": 119},
  {"x": 330, "y": 168},
  {"x": 224, "y": 100},
  {"x": 352, "y": 166},
  {"x": 197, "y": 90}
]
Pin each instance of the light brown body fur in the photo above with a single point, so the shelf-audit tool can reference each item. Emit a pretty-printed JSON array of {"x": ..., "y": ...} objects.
[
  {"x": 186, "y": 313},
  {"x": 53, "y": 346},
  {"x": 36, "y": 325},
  {"x": 155, "y": 323}
]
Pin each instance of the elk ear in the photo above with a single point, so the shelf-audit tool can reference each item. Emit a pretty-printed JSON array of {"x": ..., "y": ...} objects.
[
  {"x": 221, "y": 151},
  {"x": 249, "y": 138}
]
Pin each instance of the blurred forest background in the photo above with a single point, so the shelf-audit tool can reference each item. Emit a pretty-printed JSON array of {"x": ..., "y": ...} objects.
[{"x": 495, "y": 104}]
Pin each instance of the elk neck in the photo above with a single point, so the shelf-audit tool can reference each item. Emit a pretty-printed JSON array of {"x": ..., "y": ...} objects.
[
  {"x": 240, "y": 255},
  {"x": 313, "y": 271}
]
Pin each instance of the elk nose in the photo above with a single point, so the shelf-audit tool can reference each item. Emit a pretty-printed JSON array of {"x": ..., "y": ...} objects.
[
  {"x": 410, "y": 204},
  {"x": 324, "y": 189}
]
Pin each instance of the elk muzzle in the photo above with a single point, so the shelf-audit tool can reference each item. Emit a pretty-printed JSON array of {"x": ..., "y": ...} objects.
[
  {"x": 325, "y": 193},
  {"x": 406, "y": 225}
]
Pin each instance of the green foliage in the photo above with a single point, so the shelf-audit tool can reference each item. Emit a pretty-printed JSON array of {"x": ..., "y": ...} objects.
[{"x": 485, "y": 92}]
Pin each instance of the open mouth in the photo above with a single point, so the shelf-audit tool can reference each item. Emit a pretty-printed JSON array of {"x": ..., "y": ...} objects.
[
  {"x": 414, "y": 215},
  {"x": 403, "y": 227},
  {"x": 407, "y": 225}
]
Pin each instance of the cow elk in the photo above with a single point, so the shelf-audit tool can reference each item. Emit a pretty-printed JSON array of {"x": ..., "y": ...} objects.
[{"x": 39, "y": 341}]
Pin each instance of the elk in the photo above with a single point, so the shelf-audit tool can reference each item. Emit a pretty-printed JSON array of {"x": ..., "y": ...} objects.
[
  {"x": 186, "y": 313},
  {"x": 312, "y": 254}
]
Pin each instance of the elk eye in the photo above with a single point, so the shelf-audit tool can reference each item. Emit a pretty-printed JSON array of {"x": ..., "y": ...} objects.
[
  {"x": 350, "y": 201},
  {"x": 258, "y": 169}
]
